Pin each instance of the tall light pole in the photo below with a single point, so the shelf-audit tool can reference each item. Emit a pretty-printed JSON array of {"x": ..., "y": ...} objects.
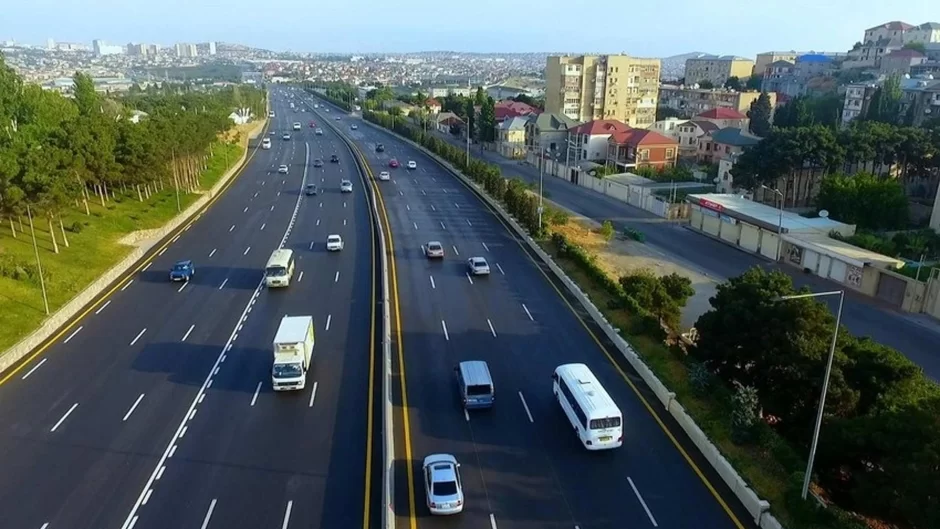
[
  {"x": 825, "y": 387},
  {"x": 779, "y": 219},
  {"x": 541, "y": 175}
]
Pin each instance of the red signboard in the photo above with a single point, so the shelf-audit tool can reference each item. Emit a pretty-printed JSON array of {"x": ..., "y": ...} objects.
[{"x": 710, "y": 205}]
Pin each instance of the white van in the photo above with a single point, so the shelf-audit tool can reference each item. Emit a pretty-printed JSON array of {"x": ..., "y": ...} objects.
[
  {"x": 266, "y": 143},
  {"x": 280, "y": 269},
  {"x": 590, "y": 410}
]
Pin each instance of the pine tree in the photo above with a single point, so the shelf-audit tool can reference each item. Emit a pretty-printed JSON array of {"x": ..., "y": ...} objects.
[{"x": 760, "y": 114}]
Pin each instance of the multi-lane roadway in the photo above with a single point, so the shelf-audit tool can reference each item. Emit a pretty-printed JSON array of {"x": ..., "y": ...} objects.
[
  {"x": 522, "y": 467},
  {"x": 155, "y": 408}
]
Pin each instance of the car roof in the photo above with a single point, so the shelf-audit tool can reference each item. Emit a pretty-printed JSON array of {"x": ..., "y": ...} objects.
[
  {"x": 435, "y": 242},
  {"x": 334, "y": 236},
  {"x": 478, "y": 259}
]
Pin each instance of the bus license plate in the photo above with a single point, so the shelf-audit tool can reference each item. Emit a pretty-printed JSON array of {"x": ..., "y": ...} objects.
[{"x": 605, "y": 438}]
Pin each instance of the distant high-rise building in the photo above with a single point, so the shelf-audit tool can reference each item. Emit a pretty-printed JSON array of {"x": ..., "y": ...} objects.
[
  {"x": 185, "y": 50},
  {"x": 50, "y": 44},
  {"x": 212, "y": 47},
  {"x": 102, "y": 48},
  {"x": 591, "y": 87}
]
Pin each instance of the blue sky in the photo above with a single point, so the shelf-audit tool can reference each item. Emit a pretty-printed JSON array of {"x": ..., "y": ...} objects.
[{"x": 656, "y": 29}]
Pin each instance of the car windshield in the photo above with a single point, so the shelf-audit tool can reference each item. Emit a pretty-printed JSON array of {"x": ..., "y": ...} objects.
[
  {"x": 179, "y": 267},
  {"x": 445, "y": 488},
  {"x": 333, "y": 239},
  {"x": 286, "y": 370},
  {"x": 276, "y": 271}
]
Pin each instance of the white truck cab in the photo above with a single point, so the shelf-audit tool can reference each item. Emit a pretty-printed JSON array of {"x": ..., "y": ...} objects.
[{"x": 293, "y": 351}]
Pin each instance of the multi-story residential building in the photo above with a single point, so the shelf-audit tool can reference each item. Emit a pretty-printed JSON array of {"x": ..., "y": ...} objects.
[
  {"x": 444, "y": 91},
  {"x": 900, "y": 62},
  {"x": 433, "y": 105},
  {"x": 608, "y": 87},
  {"x": 588, "y": 141},
  {"x": 889, "y": 37},
  {"x": 689, "y": 134},
  {"x": 717, "y": 69},
  {"x": 728, "y": 141},
  {"x": 894, "y": 30},
  {"x": 926, "y": 68},
  {"x": 797, "y": 79},
  {"x": 636, "y": 148},
  {"x": 920, "y": 99},
  {"x": 668, "y": 127},
  {"x": 691, "y": 101},
  {"x": 927, "y": 33},
  {"x": 767, "y": 58},
  {"x": 102, "y": 48},
  {"x": 184, "y": 50},
  {"x": 857, "y": 98},
  {"x": 510, "y": 137},
  {"x": 547, "y": 131}
]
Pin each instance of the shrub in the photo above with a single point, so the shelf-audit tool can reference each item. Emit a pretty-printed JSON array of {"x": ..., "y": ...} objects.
[
  {"x": 75, "y": 227},
  {"x": 699, "y": 378},
  {"x": 744, "y": 414}
]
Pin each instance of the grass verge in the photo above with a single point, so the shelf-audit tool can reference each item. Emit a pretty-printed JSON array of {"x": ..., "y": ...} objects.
[{"x": 94, "y": 246}]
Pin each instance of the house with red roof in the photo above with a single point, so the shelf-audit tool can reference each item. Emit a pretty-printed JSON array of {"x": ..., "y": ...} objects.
[
  {"x": 508, "y": 108},
  {"x": 588, "y": 141},
  {"x": 635, "y": 148},
  {"x": 434, "y": 106},
  {"x": 724, "y": 118}
]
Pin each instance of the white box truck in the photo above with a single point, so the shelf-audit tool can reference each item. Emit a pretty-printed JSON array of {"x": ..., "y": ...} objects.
[{"x": 293, "y": 350}]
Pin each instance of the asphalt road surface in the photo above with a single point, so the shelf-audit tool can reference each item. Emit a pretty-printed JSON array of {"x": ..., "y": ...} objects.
[
  {"x": 156, "y": 410},
  {"x": 522, "y": 467}
]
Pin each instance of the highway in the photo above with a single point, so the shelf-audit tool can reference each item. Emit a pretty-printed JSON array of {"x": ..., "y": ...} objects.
[
  {"x": 862, "y": 315},
  {"x": 521, "y": 465},
  {"x": 155, "y": 409}
]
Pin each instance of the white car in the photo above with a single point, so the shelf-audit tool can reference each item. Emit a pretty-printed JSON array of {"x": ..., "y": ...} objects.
[
  {"x": 434, "y": 249},
  {"x": 319, "y": 132},
  {"x": 338, "y": 118},
  {"x": 478, "y": 266},
  {"x": 345, "y": 186},
  {"x": 412, "y": 164},
  {"x": 334, "y": 243},
  {"x": 384, "y": 176},
  {"x": 443, "y": 489},
  {"x": 286, "y": 137},
  {"x": 354, "y": 127},
  {"x": 296, "y": 125},
  {"x": 282, "y": 169}
]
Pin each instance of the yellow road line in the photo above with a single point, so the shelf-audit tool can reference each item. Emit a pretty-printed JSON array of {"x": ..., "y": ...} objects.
[
  {"x": 610, "y": 358},
  {"x": 143, "y": 263}
]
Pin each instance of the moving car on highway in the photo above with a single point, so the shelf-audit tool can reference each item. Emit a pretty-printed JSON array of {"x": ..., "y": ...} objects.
[
  {"x": 182, "y": 271},
  {"x": 296, "y": 125},
  {"x": 280, "y": 268},
  {"x": 379, "y": 147},
  {"x": 310, "y": 190},
  {"x": 412, "y": 164},
  {"x": 334, "y": 159},
  {"x": 334, "y": 243},
  {"x": 283, "y": 169},
  {"x": 286, "y": 136},
  {"x": 442, "y": 485},
  {"x": 345, "y": 186},
  {"x": 266, "y": 143},
  {"x": 318, "y": 132},
  {"x": 475, "y": 384},
  {"x": 393, "y": 163},
  {"x": 433, "y": 250},
  {"x": 354, "y": 126},
  {"x": 477, "y": 266},
  {"x": 384, "y": 176},
  {"x": 317, "y": 162},
  {"x": 596, "y": 418}
]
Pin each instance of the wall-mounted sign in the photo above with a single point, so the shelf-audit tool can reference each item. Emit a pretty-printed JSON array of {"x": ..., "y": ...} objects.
[{"x": 711, "y": 205}]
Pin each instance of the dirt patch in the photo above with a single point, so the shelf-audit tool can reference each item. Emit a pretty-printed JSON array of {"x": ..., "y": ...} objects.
[{"x": 622, "y": 256}]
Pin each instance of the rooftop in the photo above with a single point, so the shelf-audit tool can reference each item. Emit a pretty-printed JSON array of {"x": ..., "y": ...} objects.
[
  {"x": 721, "y": 113},
  {"x": 740, "y": 207},
  {"x": 600, "y": 126},
  {"x": 735, "y": 137}
]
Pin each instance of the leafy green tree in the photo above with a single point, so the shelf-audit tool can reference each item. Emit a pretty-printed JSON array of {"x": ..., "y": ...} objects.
[
  {"x": 663, "y": 113},
  {"x": 488, "y": 120},
  {"x": 916, "y": 46},
  {"x": 651, "y": 293},
  {"x": 607, "y": 230},
  {"x": 865, "y": 200},
  {"x": 885, "y": 103},
  {"x": 678, "y": 287},
  {"x": 733, "y": 83},
  {"x": 470, "y": 112},
  {"x": 794, "y": 114},
  {"x": 760, "y": 115},
  {"x": 754, "y": 82},
  {"x": 706, "y": 84},
  {"x": 479, "y": 97}
]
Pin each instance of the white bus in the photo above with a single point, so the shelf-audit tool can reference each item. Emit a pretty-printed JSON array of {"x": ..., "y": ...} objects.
[
  {"x": 280, "y": 269},
  {"x": 589, "y": 408}
]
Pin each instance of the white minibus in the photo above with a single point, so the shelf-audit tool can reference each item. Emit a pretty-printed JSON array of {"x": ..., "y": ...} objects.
[
  {"x": 280, "y": 268},
  {"x": 590, "y": 410}
]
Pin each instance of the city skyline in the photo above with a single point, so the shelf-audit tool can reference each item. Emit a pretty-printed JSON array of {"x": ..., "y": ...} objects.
[{"x": 690, "y": 27}]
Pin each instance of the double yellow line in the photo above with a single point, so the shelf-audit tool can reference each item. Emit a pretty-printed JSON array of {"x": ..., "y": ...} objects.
[{"x": 167, "y": 240}]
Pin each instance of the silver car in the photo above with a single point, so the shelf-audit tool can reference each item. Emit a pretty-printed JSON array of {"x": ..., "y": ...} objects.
[
  {"x": 444, "y": 491},
  {"x": 345, "y": 186},
  {"x": 477, "y": 266},
  {"x": 434, "y": 249}
]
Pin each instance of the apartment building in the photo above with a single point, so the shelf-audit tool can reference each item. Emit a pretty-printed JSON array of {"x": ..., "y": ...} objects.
[
  {"x": 857, "y": 99},
  {"x": 609, "y": 87},
  {"x": 691, "y": 101},
  {"x": 186, "y": 50},
  {"x": 769, "y": 57},
  {"x": 717, "y": 69}
]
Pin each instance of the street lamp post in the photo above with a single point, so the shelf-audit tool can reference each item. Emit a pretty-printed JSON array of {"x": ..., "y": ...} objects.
[
  {"x": 541, "y": 176},
  {"x": 779, "y": 219},
  {"x": 825, "y": 388}
]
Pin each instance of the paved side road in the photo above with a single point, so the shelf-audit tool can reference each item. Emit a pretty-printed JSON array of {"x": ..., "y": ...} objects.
[{"x": 915, "y": 336}]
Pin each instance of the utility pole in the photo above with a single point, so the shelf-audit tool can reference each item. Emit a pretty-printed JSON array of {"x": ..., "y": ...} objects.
[{"x": 541, "y": 175}]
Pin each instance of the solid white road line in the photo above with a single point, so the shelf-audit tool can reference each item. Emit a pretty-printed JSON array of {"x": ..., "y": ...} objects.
[
  {"x": 329, "y": 318},
  {"x": 529, "y": 314},
  {"x": 466, "y": 414},
  {"x": 223, "y": 283},
  {"x": 526, "y": 406},
  {"x": 336, "y": 277},
  {"x": 133, "y": 523},
  {"x": 470, "y": 279},
  {"x": 133, "y": 407},
  {"x": 500, "y": 269},
  {"x": 254, "y": 397},
  {"x": 247, "y": 250},
  {"x": 56, "y": 427},
  {"x": 444, "y": 326},
  {"x": 492, "y": 521},
  {"x": 313, "y": 395},
  {"x": 432, "y": 281},
  {"x": 643, "y": 503},
  {"x": 191, "y": 327},
  {"x": 125, "y": 286},
  {"x": 205, "y": 521},
  {"x": 416, "y": 225},
  {"x": 442, "y": 226},
  {"x": 212, "y": 252},
  {"x": 230, "y": 230},
  {"x": 290, "y": 505},
  {"x": 180, "y": 289},
  {"x": 76, "y": 331},
  {"x": 300, "y": 277},
  {"x": 138, "y": 336},
  {"x": 262, "y": 226},
  {"x": 35, "y": 367},
  {"x": 492, "y": 330},
  {"x": 103, "y": 307},
  {"x": 485, "y": 247},
  {"x": 455, "y": 250}
]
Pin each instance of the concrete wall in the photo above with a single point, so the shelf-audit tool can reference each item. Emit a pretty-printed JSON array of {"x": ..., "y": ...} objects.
[{"x": 51, "y": 326}]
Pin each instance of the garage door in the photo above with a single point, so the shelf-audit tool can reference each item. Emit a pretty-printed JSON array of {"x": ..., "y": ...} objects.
[
  {"x": 710, "y": 225},
  {"x": 838, "y": 271},
  {"x": 768, "y": 244},
  {"x": 729, "y": 232},
  {"x": 823, "y": 268},
  {"x": 750, "y": 237},
  {"x": 891, "y": 289},
  {"x": 696, "y": 219},
  {"x": 810, "y": 260}
]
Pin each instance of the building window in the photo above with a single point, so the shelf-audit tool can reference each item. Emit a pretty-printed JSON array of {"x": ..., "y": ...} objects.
[
  {"x": 670, "y": 153},
  {"x": 644, "y": 155}
]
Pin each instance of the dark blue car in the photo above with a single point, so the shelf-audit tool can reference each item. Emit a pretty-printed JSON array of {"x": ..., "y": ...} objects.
[{"x": 182, "y": 271}]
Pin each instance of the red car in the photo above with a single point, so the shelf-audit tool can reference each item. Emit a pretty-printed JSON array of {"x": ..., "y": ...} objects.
[
  {"x": 393, "y": 163},
  {"x": 312, "y": 124}
]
